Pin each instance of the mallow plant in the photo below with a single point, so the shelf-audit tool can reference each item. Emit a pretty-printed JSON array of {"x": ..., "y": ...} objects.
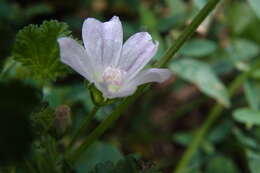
[
  {"x": 115, "y": 72},
  {"x": 116, "y": 69}
]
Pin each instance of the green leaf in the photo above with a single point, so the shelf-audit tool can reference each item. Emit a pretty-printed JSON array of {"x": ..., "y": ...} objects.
[
  {"x": 245, "y": 18},
  {"x": 177, "y": 7},
  {"x": 37, "y": 49},
  {"x": 256, "y": 74},
  {"x": 200, "y": 3},
  {"x": 252, "y": 94},
  {"x": 147, "y": 17},
  {"x": 183, "y": 138},
  {"x": 221, "y": 164},
  {"x": 244, "y": 139},
  {"x": 198, "y": 48},
  {"x": 126, "y": 165},
  {"x": 247, "y": 116},
  {"x": 254, "y": 161},
  {"x": 255, "y": 5},
  {"x": 37, "y": 9},
  {"x": 242, "y": 50},
  {"x": 203, "y": 76},
  {"x": 97, "y": 153},
  {"x": 221, "y": 131},
  {"x": 106, "y": 167}
]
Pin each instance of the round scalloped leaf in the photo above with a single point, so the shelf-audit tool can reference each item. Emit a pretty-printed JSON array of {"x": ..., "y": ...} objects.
[{"x": 37, "y": 49}]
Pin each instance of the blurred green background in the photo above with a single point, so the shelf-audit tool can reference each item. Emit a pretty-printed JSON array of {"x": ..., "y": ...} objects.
[{"x": 160, "y": 125}]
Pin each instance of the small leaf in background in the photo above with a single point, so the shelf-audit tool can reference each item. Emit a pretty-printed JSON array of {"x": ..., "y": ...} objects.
[
  {"x": 242, "y": 50},
  {"x": 221, "y": 164},
  {"x": 150, "y": 22},
  {"x": 183, "y": 138},
  {"x": 244, "y": 139},
  {"x": 106, "y": 167},
  {"x": 252, "y": 94},
  {"x": 245, "y": 18},
  {"x": 255, "y": 5},
  {"x": 256, "y": 74},
  {"x": 127, "y": 165},
  {"x": 97, "y": 153},
  {"x": 177, "y": 7},
  {"x": 200, "y": 3},
  {"x": 6, "y": 10},
  {"x": 198, "y": 48},
  {"x": 37, "y": 9},
  {"x": 253, "y": 161},
  {"x": 201, "y": 75},
  {"x": 56, "y": 96},
  {"x": 221, "y": 131},
  {"x": 247, "y": 116},
  {"x": 37, "y": 49},
  {"x": 148, "y": 18}
]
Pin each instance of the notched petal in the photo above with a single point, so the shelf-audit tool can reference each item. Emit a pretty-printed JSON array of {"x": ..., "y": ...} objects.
[
  {"x": 103, "y": 41},
  {"x": 112, "y": 34},
  {"x": 137, "y": 52}
]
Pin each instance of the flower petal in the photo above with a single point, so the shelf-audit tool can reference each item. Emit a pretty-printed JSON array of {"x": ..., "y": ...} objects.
[
  {"x": 113, "y": 41},
  {"x": 150, "y": 75},
  {"x": 103, "y": 41},
  {"x": 92, "y": 38},
  {"x": 137, "y": 52},
  {"x": 146, "y": 76},
  {"x": 74, "y": 55}
]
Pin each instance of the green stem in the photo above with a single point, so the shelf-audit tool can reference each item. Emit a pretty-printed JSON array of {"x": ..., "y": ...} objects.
[
  {"x": 187, "y": 33},
  {"x": 105, "y": 124},
  {"x": 212, "y": 117},
  {"x": 163, "y": 62},
  {"x": 83, "y": 126}
]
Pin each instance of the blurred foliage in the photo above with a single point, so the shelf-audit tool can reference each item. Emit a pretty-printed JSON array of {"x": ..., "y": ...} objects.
[
  {"x": 127, "y": 165},
  {"x": 15, "y": 129},
  {"x": 201, "y": 75},
  {"x": 162, "y": 123},
  {"x": 98, "y": 153}
]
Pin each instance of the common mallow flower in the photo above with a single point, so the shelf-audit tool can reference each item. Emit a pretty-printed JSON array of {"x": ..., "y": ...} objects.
[{"x": 116, "y": 69}]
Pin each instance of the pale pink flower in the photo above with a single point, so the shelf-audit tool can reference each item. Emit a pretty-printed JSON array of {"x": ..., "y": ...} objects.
[{"x": 116, "y": 69}]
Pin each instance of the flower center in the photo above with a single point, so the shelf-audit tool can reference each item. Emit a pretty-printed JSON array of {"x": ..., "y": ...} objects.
[{"x": 113, "y": 76}]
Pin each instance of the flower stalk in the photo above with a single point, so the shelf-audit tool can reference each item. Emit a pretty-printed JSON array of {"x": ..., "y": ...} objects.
[{"x": 162, "y": 63}]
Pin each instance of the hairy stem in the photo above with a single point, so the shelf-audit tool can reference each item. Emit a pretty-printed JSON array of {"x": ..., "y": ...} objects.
[
  {"x": 163, "y": 62},
  {"x": 212, "y": 117}
]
